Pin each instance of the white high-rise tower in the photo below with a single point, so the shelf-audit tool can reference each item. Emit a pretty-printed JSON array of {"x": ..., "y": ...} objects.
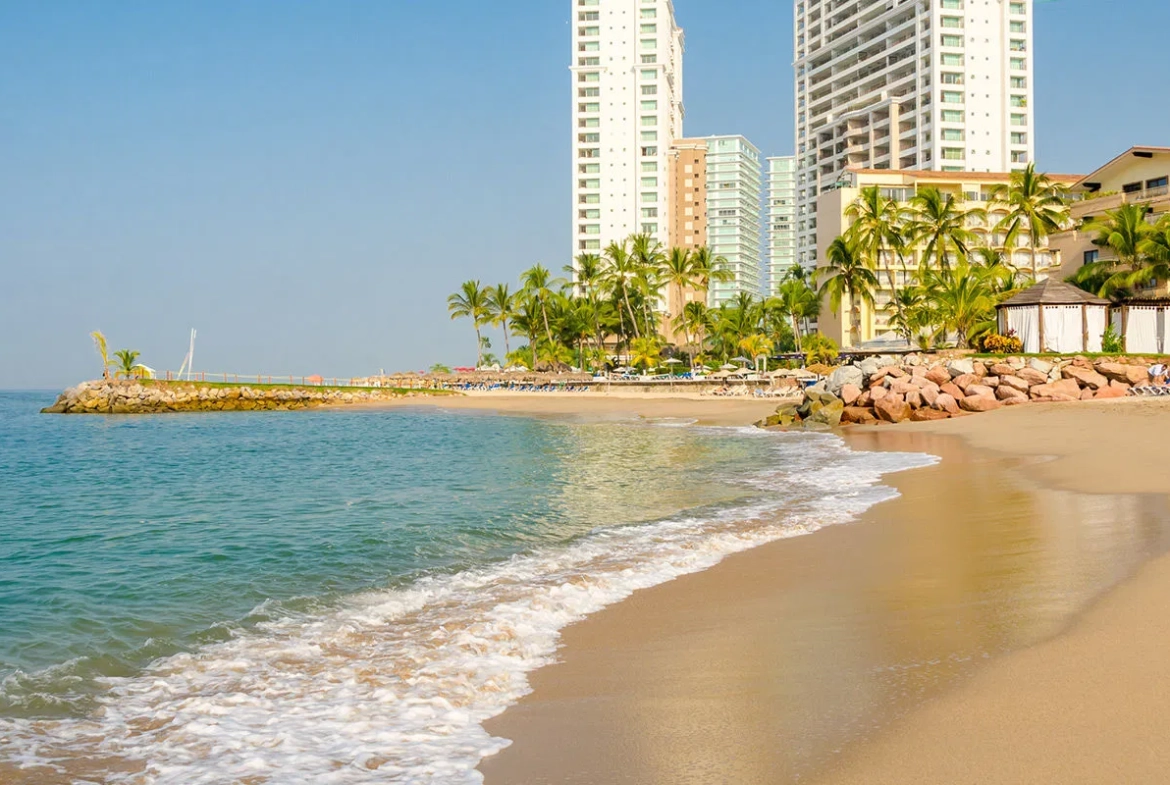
[
  {"x": 908, "y": 84},
  {"x": 627, "y": 109}
]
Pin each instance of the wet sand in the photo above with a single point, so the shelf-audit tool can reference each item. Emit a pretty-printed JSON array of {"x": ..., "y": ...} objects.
[
  {"x": 1005, "y": 620},
  {"x": 689, "y": 406}
]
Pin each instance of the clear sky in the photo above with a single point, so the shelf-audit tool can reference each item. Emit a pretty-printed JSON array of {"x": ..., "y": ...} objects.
[{"x": 305, "y": 182}]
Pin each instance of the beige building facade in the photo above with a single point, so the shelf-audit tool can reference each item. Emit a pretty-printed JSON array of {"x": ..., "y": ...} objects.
[
  {"x": 687, "y": 219},
  {"x": 971, "y": 189},
  {"x": 1140, "y": 175}
]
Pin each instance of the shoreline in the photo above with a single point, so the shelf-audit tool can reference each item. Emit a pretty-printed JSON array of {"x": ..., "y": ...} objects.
[{"x": 611, "y": 665}]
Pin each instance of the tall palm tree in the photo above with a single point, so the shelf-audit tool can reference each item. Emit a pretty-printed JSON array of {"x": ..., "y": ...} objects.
[
  {"x": 586, "y": 274},
  {"x": 619, "y": 275},
  {"x": 1156, "y": 247},
  {"x": 537, "y": 282},
  {"x": 938, "y": 225},
  {"x": 126, "y": 365},
  {"x": 847, "y": 278},
  {"x": 99, "y": 343},
  {"x": 501, "y": 304},
  {"x": 692, "y": 322},
  {"x": 471, "y": 302},
  {"x": 877, "y": 228},
  {"x": 964, "y": 298},
  {"x": 679, "y": 273},
  {"x": 796, "y": 300},
  {"x": 1036, "y": 208},
  {"x": 526, "y": 321},
  {"x": 709, "y": 267},
  {"x": 645, "y": 352}
]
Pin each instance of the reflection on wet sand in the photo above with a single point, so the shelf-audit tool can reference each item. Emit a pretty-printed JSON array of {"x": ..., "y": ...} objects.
[{"x": 767, "y": 668}]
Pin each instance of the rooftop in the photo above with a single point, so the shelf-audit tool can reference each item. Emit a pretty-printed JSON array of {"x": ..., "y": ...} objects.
[{"x": 1053, "y": 292}]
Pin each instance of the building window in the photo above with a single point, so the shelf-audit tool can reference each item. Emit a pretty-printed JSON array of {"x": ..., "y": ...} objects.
[
  {"x": 649, "y": 196},
  {"x": 952, "y": 97},
  {"x": 1019, "y": 137},
  {"x": 649, "y": 106},
  {"x": 649, "y": 60},
  {"x": 1019, "y": 157},
  {"x": 951, "y": 59},
  {"x": 1016, "y": 27},
  {"x": 649, "y": 73},
  {"x": 1019, "y": 64},
  {"x": 952, "y": 22},
  {"x": 649, "y": 89},
  {"x": 1019, "y": 82},
  {"x": 649, "y": 182},
  {"x": 952, "y": 5},
  {"x": 949, "y": 78},
  {"x": 955, "y": 41},
  {"x": 953, "y": 153},
  {"x": 952, "y": 116},
  {"x": 1092, "y": 256},
  {"x": 1017, "y": 9},
  {"x": 650, "y": 120},
  {"x": 952, "y": 134},
  {"x": 649, "y": 136},
  {"x": 651, "y": 29},
  {"x": 1019, "y": 119},
  {"x": 649, "y": 166},
  {"x": 1019, "y": 101},
  {"x": 649, "y": 212}
]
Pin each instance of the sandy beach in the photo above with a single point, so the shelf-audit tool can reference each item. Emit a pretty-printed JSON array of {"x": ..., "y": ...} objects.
[{"x": 1004, "y": 620}]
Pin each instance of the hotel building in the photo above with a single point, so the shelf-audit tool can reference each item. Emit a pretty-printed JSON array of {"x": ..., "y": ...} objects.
[
  {"x": 908, "y": 84},
  {"x": 970, "y": 189},
  {"x": 627, "y": 109},
  {"x": 734, "y": 182},
  {"x": 781, "y": 215}
]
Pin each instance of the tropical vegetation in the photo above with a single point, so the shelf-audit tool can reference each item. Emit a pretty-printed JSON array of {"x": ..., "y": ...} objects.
[{"x": 639, "y": 304}]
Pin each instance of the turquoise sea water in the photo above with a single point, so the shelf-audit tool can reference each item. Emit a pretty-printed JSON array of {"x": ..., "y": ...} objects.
[{"x": 196, "y": 598}]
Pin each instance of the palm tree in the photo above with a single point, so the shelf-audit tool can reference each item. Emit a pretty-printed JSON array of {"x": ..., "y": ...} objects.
[
  {"x": 964, "y": 297},
  {"x": 645, "y": 352},
  {"x": 796, "y": 300},
  {"x": 1035, "y": 209},
  {"x": 710, "y": 268},
  {"x": 538, "y": 282},
  {"x": 847, "y": 277},
  {"x": 471, "y": 301},
  {"x": 99, "y": 342},
  {"x": 679, "y": 272},
  {"x": 756, "y": 345},
  {"x": 620, "y": 272},
  {"x": 692, "y": 322},
  {"x": 586, "y": 273},
  {"x": 1156, "y": 248},
  {"x": 526, "y": 321},
  {"x": 501, "y": 305},
  {"x": 939, "y": 226},
  {"x": 126, "y": 365},
  {"x": 877, "y": 229}
]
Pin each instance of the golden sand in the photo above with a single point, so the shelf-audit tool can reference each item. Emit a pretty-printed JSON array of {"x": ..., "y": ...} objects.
[{"x": 1007, "y": 620}]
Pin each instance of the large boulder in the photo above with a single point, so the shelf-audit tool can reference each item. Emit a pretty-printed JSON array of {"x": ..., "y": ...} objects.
[
  {"x": 939, "y": 375},
  {"x": 980, "y": 390},
  {"x": 869, "y": 366},
  {"x": 979, "y": 403},
  {"x": 1036, "y": 364},
  {"x": 858, "y": 415},
  {"x": 1110, "y": 392},
  {"x": 878, "y": 393},
  {"x": 1086, "y": 377},
  {"x": 828, "y": 414},
  {"x": 1016, "y": 383},
  {"x": 1126, "y": 374},
  {"x": 902, "y": 386},
  {"x": 850, "y": 393},
  {"x": 947, "y": 403},
  {"x": 930, "y": 395},
  {"x": 892, "y": 409},
  {"x": 846, "y": 374},
  {"x": 965, "y": 381},
  {"x": 958, "y": 368},
  {"x": 1002, "y": 369},
  {"x": 928, "y": 415},
  {"x": 952, "y": 390},
  {"x": 1063, "y": 390},
  {"x": 914, "y": 399},
  {"x": 1007, "y": 392},
  {"x": 1032, "y": 376}
]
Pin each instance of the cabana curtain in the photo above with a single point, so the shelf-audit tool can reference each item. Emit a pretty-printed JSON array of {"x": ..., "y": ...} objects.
[
  {"x": 1025, "y": 323},
  {"x": 1063, "y": 327},
  {"x": 1141, "y": 333},
  {"x": 1096, "y": 318}
]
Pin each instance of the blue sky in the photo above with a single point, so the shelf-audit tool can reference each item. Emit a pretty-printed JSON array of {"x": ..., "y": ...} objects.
[{"x": 305, "y": 182}]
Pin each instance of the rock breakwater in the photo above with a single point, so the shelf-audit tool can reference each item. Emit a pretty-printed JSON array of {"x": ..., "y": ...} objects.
[
  {"x": 925, "y": 387},
  {"x": 153, "y": 397}
]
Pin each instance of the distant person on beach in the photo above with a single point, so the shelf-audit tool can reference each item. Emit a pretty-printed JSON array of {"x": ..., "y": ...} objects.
[{"x": 1158, "y": 373}]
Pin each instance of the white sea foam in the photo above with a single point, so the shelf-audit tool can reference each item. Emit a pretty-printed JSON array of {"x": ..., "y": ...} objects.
[{"x": 394, "y": 685}]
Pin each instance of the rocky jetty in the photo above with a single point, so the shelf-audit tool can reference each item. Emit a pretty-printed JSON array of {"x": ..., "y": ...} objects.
[
  {"x": 925, "y": 387},
  {"x": 154, "y": 397}
]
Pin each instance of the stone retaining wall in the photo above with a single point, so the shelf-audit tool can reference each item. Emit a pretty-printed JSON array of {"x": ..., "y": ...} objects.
[
  {"x": 133, "y": 397},
  {"x": 924, "y": 387}
]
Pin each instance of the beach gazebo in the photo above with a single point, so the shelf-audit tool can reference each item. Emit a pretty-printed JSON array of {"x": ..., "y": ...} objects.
[
  {"x": 1145, "y": 323},
  {"x": 1053, "y": 316}
]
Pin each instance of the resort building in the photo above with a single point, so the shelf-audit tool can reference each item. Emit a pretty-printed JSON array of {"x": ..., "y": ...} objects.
[
  {"x": 734, "y": 183},
  {"x": 781, "y": 215},
  {"x": 971, "y": 189},
  {"x": 1140, "y": 175},
  {"x": 687, "y": 195},
  {"x": 908, "y": 84},
  {"x": 627, "y": 109}
]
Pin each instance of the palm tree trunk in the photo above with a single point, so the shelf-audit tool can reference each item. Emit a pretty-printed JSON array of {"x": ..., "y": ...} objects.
[
  {"x": 478, "y": 348},
  {"x": 630, "y": 308},
  {"x": 507, "y": 349},
  {"x": 796, "y": 330},
  {"x": 532, "y": 345}
]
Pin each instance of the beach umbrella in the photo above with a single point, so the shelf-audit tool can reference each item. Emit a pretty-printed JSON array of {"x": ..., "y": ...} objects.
[
  {"x": 740, "y": 360},
  {"x": 673, "y": 361},
  {"x": 728, "y": 367}
]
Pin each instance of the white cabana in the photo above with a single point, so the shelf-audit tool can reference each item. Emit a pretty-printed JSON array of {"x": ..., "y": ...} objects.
[
  {"x": 1145, "y": 325},
  {"x": 1053, "y": 316}
]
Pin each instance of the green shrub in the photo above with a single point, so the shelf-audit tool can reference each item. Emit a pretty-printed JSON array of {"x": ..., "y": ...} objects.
[
  {"x": 819, "y": 348},
  {"x": 1111, "y": 342},
  {"x": 994, "y": 343}
]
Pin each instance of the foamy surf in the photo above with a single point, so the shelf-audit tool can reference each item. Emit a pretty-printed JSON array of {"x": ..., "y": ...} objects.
[{"x": 394, "y": 686}]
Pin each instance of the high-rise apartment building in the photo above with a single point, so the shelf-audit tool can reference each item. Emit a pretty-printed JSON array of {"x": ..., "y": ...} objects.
[
  {"x": 734, "y": 181},
  {"x": 781, "y": 216},
  {"x": 908, "y": 84},
  {"x": 627, "y": 109}
]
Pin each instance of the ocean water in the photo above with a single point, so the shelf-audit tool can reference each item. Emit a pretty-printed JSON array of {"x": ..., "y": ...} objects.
[{"x": 345, "y": 596}]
